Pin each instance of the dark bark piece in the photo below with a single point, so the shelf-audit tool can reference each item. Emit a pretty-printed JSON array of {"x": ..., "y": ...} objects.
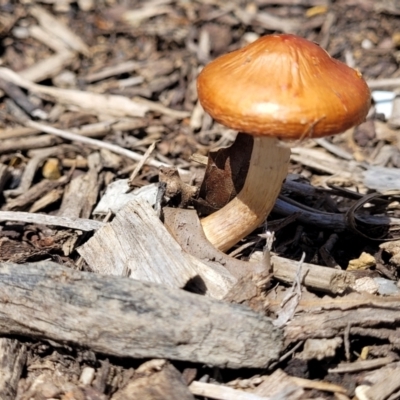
[
  {"x": 4, "y": 176},
  {"x": 15, "y": 93},
  {"x": 159, "y": 381},
  {"x": 16, "y": 250},
  {"x": 12, "y": 361},
  {"x": 226, "y": 172},
  {"x": 178, "y": 191},
  {"x": 128, "y": 318}
]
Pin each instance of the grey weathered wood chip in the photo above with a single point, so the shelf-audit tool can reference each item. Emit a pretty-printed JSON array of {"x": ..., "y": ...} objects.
[{"x": 128, "y": 318}]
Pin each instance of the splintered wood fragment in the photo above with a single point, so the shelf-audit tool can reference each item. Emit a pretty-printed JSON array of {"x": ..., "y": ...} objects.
[
  {"x": 361, "y": 365},
  {"x": 385, "y": 382},
  {"x": 334, "y": 149},
  {"x": 48, "y": 67},
  {"x": 138, "y": 15},
  {"x": 126, "y": 67},
  {"x": 119, "y": 193},
  {"x": 279, "y": 385},
  {"x": 155, "y": 380},
  {"x": 128, "y": 318},
  {"x": 320, "y": 348},
  {"x": 333, "y": 322},
  {"x": 58, "y": 29},
  {"x": 28, "y": 143},
  {"x": 185, "y": 227},
  {"x": 387, "y": 83},
  {"x": 49, "y": 198},
  {"x": 394, "y": 120},
  {"x": 9, "y": 19},
  {"x": 349, "y": 171},
  {"x": 319, "y": 278},
  {"x": 51, "y": 41},
  {"x": 98, "y": 104},
  {"x": 37, "y": 158},
  {"x": 43, "y": 219},
  {"x": 327, "y": 163},
  {"x": 100, "y": 129},
  {"x": 318, "y": 385},
  {"x": 327, "y": 220},
  {"x": 221, "y": 392},
  {"x": 137, "y": 243},
  {"x": 158, "y": 107},
  {"x": 17, "y": 131},
  {"x": 21, "y": 99},
  {"x": 81, "y": 193},
  {"x": 13, "y": 356},
  {"x": 93, "y": 142},
  {"x": 381, "y": 178},
  {"x": 34, "y": 193},
  {"x": 272, "y": 22}
]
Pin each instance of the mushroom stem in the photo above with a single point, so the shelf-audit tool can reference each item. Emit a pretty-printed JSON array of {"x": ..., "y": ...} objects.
[{"x": 268, "y": 168}]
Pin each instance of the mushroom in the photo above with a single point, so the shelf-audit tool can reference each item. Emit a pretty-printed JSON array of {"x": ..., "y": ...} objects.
[{"x": 278, "y": 87}]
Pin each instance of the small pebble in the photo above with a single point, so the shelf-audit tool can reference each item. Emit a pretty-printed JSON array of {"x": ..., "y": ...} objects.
[{"x": 87, "y": 376}]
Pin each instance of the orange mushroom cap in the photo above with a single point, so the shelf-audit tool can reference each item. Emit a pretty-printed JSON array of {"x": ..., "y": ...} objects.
[{"x": 284, "y": 86}]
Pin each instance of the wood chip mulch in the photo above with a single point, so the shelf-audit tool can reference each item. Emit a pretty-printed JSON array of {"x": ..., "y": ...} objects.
[{"x": 108, "y": 287}]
